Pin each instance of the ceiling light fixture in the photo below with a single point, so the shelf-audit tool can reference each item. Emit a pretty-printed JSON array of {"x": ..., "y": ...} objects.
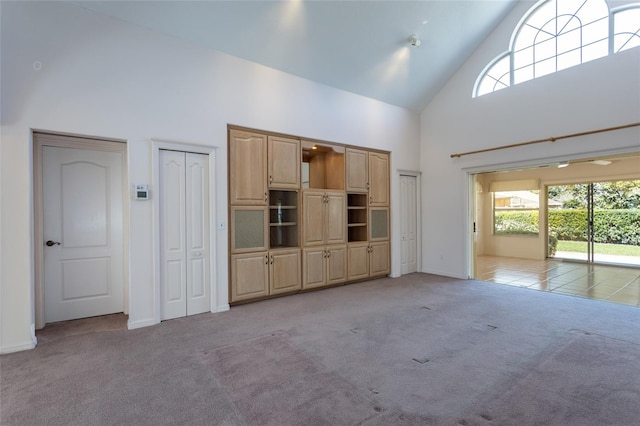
[
  {"x": 563, "y": 164},
  {"x": 415, "y": 41},
  {"x": 601, "y": 162}
]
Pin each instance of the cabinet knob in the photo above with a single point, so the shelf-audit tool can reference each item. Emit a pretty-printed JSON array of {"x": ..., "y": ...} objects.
[
  {"x": 266, "y": 197},
  {"x": 270, "y": 179},
  {"x": 267, "y": 262},
  {"x": 272, "y": 260}
]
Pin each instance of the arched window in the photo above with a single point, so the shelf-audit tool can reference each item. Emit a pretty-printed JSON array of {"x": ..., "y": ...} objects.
[
  {"x": 496, "y": 76},
  {"x": 626, "y": 23},
  {"x": 558, "y": 34}
]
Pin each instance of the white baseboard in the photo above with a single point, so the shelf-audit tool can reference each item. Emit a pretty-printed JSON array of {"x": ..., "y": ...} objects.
[
  {"x": 17, "y": 348},
  {"x": 221, "y": 308},
  {"x": 131, "y": 325},
  {"x": 396, "y": 275}
]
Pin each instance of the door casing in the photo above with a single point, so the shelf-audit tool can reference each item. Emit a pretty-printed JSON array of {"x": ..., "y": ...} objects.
[{"x": 41, "y": 139}]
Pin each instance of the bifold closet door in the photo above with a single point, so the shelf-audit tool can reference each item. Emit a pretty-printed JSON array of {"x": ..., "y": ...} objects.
[
  {"x": 184, "y": 234},
  {"x": 408, "y": 224}
]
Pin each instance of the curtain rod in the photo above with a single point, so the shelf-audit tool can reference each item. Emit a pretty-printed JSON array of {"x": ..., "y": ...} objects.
[{"x": 551, "y": 139}]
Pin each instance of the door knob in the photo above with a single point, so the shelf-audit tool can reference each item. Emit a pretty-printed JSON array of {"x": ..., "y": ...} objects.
[{"x": 52, "y": 243}]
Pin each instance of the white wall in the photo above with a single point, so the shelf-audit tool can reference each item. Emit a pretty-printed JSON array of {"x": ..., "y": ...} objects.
[
  {"x": 595, "y": 95},
  {"x": 101, "y": 77}
]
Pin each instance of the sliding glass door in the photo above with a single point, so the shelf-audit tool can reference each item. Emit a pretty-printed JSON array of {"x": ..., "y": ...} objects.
[{"x": 595, "y": 222}]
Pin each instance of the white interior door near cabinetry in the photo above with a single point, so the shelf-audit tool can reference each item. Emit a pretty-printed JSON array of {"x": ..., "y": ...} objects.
[
  {"x": 408, "y": 224},
  {"x": 184, "y": 234},
  {"x": 83, "y": 230}
]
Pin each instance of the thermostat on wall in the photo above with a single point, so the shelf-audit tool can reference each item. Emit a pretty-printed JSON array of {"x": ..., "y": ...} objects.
[{"x": 142, "y": 192}]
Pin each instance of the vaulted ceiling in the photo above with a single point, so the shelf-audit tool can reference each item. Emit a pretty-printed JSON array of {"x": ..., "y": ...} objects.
[{"x": 358, "y": 46}]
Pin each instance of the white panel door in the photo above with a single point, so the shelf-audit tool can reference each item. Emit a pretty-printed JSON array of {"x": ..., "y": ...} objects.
[
  {"x": 198, "y": 264},
  {"x": 83, "y": 217},
  {"x": 184, "y": 234},
  {"x": 408, "y": 224},
  {"x": 173, "y": 269}
]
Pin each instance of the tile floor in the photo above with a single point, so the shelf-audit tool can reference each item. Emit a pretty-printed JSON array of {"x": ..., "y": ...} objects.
[{"x": 602, "y": 282}]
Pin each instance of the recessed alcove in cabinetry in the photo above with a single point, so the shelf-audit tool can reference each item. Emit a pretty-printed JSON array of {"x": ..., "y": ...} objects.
[{"x": 322, "y": 165}]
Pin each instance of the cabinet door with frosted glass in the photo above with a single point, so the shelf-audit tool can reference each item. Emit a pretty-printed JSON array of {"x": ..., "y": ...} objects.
[
  {"x": 249, "y": 230},
  {"x": 378, "y": 223}
]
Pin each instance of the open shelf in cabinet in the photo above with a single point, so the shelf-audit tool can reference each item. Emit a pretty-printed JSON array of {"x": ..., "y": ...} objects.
[
  {"x": 283, "y": 219},
  {"x": 356, "y": 217}
]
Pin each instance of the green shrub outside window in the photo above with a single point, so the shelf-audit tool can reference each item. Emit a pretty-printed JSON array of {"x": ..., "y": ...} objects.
[
  {"x": 516, "y": 222},
  {"x": 516, "y": 213}
]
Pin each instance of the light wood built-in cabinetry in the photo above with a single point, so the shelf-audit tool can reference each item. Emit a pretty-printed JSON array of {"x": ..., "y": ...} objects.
[
  {"x": 304, "y": 214},
  {"x": 368, "y": 214},
  {"x": 378, "y": 179},
  {"x": 322, "y": 266},
  {"x": 324, "y": 217},
  {"x": 247, "y": 168},
  {"x": 283, "y": 157}
]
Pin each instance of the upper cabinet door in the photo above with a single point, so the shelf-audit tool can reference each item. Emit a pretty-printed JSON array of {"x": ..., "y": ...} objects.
[
  {"x": 247, "y": 168},
  {"x": 378, "y": 179},
  {"x": 357, "y": 170},
  {"x": 284, "y": 163}
]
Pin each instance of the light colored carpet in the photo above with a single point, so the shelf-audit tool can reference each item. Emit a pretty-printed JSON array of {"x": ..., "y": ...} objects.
[
  {"x": 273, "y": 383},
  {"x": 416, "y": 350},
  {"x": 584, "y": 379}
]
